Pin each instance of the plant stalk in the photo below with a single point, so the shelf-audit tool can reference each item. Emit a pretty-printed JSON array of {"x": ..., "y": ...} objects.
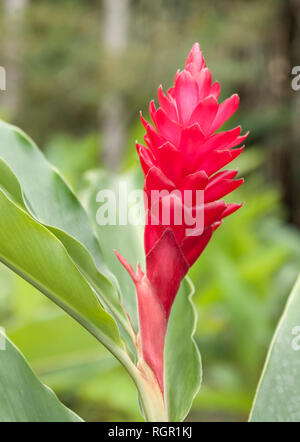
[{"x": 150, "y": 394}]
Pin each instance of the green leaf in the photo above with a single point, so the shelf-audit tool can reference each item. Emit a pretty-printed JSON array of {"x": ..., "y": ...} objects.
[
  {"x": 63, "y": 364},
  {"x": 23, "y": 398},
  {"x": 182, "y": 362},
  {"x": 33, "y": 183},
  {"x": 127, "y": 239},
  {"x": 38, "y": 256},
  {"x": 48, "y": 196},
  {"x": 278, "y": 392}
]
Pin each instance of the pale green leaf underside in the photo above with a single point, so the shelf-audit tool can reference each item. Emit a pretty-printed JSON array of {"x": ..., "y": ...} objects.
[
  {"x": 182, "y": 364},
  {"x": 127, "y": 239},
  {"x": 23, "y": 398},
  {"x": 278, "y": 394}
]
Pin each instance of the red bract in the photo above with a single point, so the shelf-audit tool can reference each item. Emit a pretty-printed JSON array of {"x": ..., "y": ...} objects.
[{"x": 184, "y": 152}]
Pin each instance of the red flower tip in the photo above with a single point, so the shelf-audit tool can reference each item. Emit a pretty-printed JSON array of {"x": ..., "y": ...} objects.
[{"x": 145, "y": 123}]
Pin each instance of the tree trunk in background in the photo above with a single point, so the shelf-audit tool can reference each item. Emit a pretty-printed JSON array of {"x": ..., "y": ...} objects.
[
  {"x": 12, "y": 50},
  {"x": 285, "y": 155},
  {"x": 113, "y": 112},
  {"x": 294, "y": 39}
]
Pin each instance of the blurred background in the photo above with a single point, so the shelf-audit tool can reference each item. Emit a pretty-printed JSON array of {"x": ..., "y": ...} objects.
[{"x": 78, "y": 72}]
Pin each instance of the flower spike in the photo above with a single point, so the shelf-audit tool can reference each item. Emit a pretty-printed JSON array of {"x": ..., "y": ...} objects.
[{"x": 184, "y": 153}]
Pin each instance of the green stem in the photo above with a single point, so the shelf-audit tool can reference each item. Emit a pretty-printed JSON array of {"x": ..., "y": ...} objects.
[
  {"x": 150, "y": 393},
  {"x": 153, "y": 405},
  {"x": 151, "y": 396}
]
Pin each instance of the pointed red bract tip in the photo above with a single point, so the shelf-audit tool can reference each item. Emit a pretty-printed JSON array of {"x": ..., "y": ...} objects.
[
  {"x": 127, "y": 266},
  {"x": 185, "y": 134},
  {"x": 195, "y": 58}
]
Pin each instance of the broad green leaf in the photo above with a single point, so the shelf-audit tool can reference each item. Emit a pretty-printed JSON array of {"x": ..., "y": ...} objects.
[
  {"x": 32, "y": 182},
  {"x": 38, "y": 256},
  {"x": 48, "y": 196},
  {"x": 182, "y": 362},
  {"x": 278, "y": 394},
  {"x": 75, "y": 365},
  {"x": 127, "y": 239},
  {"x": 23, "y": 398}
]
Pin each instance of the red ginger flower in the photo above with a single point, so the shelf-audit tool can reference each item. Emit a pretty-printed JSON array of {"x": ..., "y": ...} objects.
[{"x": 184, "y": 152}]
